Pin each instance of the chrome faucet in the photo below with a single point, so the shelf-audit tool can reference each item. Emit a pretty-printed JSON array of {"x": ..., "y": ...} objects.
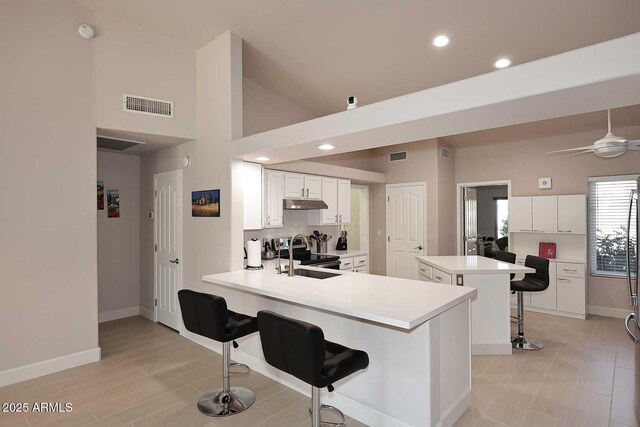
[{"x": 306, "y": 243}]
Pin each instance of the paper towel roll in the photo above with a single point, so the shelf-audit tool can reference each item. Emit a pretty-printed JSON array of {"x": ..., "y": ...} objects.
[{"x": 253, "y": 253}]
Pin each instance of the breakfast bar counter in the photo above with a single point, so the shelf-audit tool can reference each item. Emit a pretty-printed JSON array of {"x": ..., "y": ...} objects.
[{"x": 417, "y": 336}]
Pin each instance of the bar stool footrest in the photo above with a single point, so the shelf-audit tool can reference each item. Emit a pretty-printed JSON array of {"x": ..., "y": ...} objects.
[
  {"x": 335, "y": 411},
  {"x": 243, "y": 373}
]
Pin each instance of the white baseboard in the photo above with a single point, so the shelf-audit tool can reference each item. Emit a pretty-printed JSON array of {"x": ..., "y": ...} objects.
[
  {"x": 27, "y": 372},
  {"x": 491, "y": 349},
  {"x": 618, "y": 313},
  {"x": 147, "y": 313},
  {"x": 351, "y": 407},
  {"x": 106, "y": 316},
  {"x": 455, "y": 411}
]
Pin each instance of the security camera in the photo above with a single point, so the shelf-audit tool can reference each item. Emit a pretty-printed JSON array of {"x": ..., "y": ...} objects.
[
  {"x": 352, "y": 102},
  {"x": 86, "y": 32}
]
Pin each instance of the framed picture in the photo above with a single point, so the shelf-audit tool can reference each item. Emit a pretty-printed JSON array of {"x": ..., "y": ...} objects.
[
  {"x": 113, "y": 204},
  {"x": 205, "y": 203},
  {"x": 100, "y": 195}
]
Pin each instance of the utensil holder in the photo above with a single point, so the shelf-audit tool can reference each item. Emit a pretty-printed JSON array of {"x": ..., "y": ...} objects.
[{"x": 322, "y": 247}]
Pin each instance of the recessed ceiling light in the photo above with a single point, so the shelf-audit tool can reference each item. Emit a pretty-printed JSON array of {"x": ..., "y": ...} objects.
[
  {"x": 502, "y": 63},
  {"x": 326, "y": 147},
  {"x": 262, "y": 158},
  {"x": 440, "y": 41}
]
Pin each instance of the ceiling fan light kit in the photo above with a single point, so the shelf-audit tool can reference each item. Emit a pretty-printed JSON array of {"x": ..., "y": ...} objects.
[{"x": 606, "y": 148}]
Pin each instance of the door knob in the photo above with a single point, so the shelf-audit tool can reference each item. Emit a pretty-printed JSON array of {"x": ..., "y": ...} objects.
[
  {"x": 418, "y": 248},
  {"x": 174, "y": 261}
]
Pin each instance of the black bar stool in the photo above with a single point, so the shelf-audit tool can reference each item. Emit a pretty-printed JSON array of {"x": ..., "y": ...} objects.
[
  {"x": 532, "y": 282},
  {"x": 207, "y": 315},
  {"x": 505, "y": 256},
  {"x": 299, "y": 348}
]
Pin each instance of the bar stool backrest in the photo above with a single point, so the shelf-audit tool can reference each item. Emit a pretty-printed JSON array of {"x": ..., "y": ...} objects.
[
  {"x": 204, "y": 314},
  {"x": 541, "y": 276}
]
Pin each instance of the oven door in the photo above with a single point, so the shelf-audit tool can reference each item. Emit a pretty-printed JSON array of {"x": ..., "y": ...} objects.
[{"x": 333, "y": 265}]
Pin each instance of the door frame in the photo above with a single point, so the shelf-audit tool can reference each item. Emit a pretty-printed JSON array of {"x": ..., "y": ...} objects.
[
  {"x": 178, "y": 173},
  {"x": 459, "y": 221},
  {"x": 422, "y": 184},
  {"x": 364, "y": 219}
]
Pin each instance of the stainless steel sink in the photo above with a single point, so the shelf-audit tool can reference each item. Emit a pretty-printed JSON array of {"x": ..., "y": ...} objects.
[{"x": 314, "y": 274}]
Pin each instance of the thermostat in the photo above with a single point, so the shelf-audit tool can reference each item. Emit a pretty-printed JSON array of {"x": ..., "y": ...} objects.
[{"x": 544, "y": 183}]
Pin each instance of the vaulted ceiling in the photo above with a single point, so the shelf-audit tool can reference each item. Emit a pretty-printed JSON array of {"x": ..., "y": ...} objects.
[{"x": 317, "y": 52}]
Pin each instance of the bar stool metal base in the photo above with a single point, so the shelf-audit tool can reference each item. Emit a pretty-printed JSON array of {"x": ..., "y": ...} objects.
[
  {"x": 218, "y": 403},
  {"x": 317, "y": 408},
  {"x": 524, "y": 343}
]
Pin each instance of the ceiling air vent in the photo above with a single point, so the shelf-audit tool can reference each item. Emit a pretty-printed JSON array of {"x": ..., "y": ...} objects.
[
  {"x": 113, "y": 144},
  {"x": 445, "y": 152},
  {"x": 396, "y": 157},
  {"x": 144, "y": 105}
]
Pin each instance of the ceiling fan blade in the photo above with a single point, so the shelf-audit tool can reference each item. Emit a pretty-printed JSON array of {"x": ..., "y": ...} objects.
[
  {"x": 588, "y": 148},
  {"x": 577, "y": 154}
]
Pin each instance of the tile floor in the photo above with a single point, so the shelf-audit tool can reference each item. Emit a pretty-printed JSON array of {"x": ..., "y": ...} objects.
[{"x": 150, "y": 376}]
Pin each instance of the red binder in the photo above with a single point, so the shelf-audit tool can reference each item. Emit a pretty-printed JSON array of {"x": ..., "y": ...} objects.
[{"x": 547, "y": 250}]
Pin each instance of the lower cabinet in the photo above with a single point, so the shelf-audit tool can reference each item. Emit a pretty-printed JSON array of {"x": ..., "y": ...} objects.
[
  {"x": 357, "y": 264},
  {"x": 547, "y": 298},
  {"x": 441, "y": 277}
]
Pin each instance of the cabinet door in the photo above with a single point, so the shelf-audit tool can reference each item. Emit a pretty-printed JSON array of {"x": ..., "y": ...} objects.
[
  {"x": 545, "y": 214},
  {"x": 344, "y": 201},
  {"x": 273, "y": 199},
  {"x": 252, "y": 194},
  {"x": 293, "y": 185},
  {"x": 572, "y": 214},
  {"x": 571, "y": 295},
  {"x": 330, "y": 197},
  {"x": 520, "y": 220},
  {"x": 547, "y": 298},
  {"x": 313, "y": 187}
]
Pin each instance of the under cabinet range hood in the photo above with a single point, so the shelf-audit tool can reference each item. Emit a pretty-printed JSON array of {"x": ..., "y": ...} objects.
[{"x": 303, "y": 204}]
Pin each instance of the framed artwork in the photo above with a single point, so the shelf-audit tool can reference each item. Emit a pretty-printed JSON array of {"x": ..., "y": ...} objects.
[
  {"x": 205, "y": 203},
  {"x": 100, "y": 195},
  {"x": 113, "y": 204}
]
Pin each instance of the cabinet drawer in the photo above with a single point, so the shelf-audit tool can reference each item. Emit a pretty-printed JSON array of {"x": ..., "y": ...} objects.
[
  {"x": 360, "y": 261},
  {"x": 570, "y": 270},
  {"x": 346, "y": 263},
  {"x": 425, "y": 270},
  {"x": 571, "y": 294},
  {"x": 441, "y": 277},
  {"x": 360, "y": 270}
]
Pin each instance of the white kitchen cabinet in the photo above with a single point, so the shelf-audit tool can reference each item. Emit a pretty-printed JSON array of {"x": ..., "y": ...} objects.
[
  {"x": 252, "y": 194},
  {"x": 571, "y": 295},
  {"x": 520, "y": 215},
  {"x": 442, "y": 277},
  {"x": 299, "y": 186},
  {"x": 346, "y": 264},
  {"x": 344, "y": 201},
  {"x": 273, "y": 195},
  {"x": 293, "y": 185},
  {"x": 336, "y": 193},
  {"x": 572, "y": 214},
  {"x": 313, "y": 187},
  {"x": 547, "y": 298},
  {"x": 544, "y": 214}
]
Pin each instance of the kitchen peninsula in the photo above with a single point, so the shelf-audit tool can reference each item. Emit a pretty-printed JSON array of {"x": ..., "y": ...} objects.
[
  {"x": 490, "y": 307},
  {"x": 417, "y": 336}
]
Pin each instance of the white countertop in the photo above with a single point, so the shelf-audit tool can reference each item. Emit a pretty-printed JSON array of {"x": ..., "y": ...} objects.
[
  {"x": 389, "y": 301},
  {"x": 472, "y": 265}
]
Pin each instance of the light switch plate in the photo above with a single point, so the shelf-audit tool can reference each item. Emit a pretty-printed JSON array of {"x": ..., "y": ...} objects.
[{"x": 544, "y": 183}]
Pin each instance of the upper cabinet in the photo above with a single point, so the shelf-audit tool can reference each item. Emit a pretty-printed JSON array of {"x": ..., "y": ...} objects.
[
  {"x": 252, "y": 194},
  {"x": 299, "y": 186},
  {"x": 548, "y": 214},
  {"x": 336, "y": 193},
  {"x": 273, "y": 213},
  {"x": 572, "y": 214},
  {"x": 544, "y": 214},
  {"x": 520, "y": 215}
]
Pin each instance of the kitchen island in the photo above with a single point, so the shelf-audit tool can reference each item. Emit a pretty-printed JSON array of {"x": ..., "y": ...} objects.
[
  {"x": 490, "y": 307},
  {"x": 417, "y": 337}
]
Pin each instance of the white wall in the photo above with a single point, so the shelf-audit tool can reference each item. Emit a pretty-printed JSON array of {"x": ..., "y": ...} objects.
[
  {"x": 131, "y": 60},
  {"x": 264, "y": 110},
  {"x": 523, "y": 162},
  {"x": 48, "y": 260},
  {"x": 119, "y": 238}
]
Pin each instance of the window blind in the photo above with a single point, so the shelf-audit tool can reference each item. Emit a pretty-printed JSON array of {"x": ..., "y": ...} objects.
[{"x": 608, "y": 215}]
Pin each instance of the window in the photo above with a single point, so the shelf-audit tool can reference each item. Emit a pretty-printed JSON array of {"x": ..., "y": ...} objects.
[
  {"x": 608, "y": 219},
  {"x": 502, "y": 217}
]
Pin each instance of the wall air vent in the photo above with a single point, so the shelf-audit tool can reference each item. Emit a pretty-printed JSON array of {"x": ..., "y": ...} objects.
[
  {"x": 144, "y": 105},
  {"x": 399, "y": 156},
  {"x": 445, "y": 152}
]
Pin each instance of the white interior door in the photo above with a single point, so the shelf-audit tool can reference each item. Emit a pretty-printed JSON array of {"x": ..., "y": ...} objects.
[
  {"x": 405, "y": 228},
  {"x": 168, "y": 246}
]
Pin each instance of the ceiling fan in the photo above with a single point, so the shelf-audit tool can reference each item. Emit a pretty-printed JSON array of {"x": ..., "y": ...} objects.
[{"x": 607, "y": 147}]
